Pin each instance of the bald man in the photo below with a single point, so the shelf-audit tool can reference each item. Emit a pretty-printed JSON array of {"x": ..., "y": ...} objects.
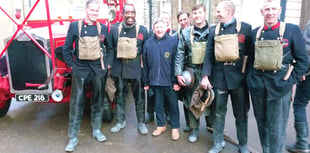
[{"x": 224, "y": 74}]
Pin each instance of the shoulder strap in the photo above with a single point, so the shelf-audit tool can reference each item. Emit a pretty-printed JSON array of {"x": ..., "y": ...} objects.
[
  {"x": 120, "y": 29},
  {"x": 192, "y": 35},
  {"x": 80, "y": 27},
  {"x": 259, "y": 31},
  {"x": 282, "y": 30},
  {"x": 137, "y": 30},
  {"x": 98, "y": 28},
  {"x": 238, "y": 26},
  {"x": 217, "y": 29}
]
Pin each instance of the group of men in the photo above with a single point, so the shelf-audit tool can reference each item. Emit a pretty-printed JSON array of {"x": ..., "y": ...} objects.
[{"x": 228, "y": 58}]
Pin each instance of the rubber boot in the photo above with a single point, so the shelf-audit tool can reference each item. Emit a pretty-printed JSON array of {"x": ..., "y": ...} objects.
[
  {"x": 242, "y": 135},
  {"x": 72, "y": 144},
  {"x": 108, "y": 113},
  {"x": 186, "y": 127},
  {"x": 149, "y": 116},
  {"x": 193, "y": 137},
  {"x": 76, "y": 106},
  {"x": 219, "y": 142},
  {"x": 301, "y": 146}
]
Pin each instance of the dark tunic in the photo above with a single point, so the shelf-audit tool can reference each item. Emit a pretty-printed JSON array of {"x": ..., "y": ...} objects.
[
  {"x": 128, "y": 68},
  {"x": 83, "y": 67},
  {"x": 294, "y": 49},
  {"x": 227, "y": 76}
]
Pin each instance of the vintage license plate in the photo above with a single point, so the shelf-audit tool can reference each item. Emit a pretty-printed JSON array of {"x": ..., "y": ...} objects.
[{"x": 32, "y": 97}]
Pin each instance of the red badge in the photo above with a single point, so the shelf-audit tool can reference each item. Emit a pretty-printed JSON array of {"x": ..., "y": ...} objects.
[
  {"x": 102, "y": 37},
  {"x": 241, "y": 38},
  {"x": 285, "y": 43},
  {"x": 140, "y": 36}
]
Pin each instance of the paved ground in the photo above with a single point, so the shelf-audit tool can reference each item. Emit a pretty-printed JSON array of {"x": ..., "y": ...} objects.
[{"x": 42, "y": 128}]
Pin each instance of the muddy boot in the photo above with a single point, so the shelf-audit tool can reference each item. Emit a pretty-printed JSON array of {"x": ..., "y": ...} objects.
[
  {"x": 118, "y": 127},
  {"x": 218, "y": 147},
  {"x": 142, "y": 129},
  {"x": 242, "y": 135},
  {"x": 71, "y": 144},
  {"x": 301, "y": 146},
  {"x": 193, "y": 137},
  {"x": 98, "y": 135},
  {"x": 243, "y": 149}
]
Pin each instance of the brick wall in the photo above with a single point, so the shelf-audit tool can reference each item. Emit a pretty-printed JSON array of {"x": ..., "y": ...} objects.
[{"x": 188, "y": 4}]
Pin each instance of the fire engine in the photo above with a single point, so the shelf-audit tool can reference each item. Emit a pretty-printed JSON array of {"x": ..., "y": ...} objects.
[{"x": 32, "y": 67}]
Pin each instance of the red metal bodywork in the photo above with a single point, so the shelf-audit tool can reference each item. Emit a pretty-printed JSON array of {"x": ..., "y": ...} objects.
[{"x": 57, "y": 40}]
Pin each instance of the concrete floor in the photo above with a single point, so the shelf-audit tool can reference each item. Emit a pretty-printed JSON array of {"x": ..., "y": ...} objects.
[{"x": 42, "y": 128}]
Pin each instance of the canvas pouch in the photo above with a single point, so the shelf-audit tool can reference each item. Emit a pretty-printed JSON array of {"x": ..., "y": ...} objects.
[
  {"x": 127, "y": 47},
  {"x": 226, "y": 47},
  {"x": 198, "y": 52},
  {"x": 268, "y": 55},
  {"x": 89, "y": 47}
]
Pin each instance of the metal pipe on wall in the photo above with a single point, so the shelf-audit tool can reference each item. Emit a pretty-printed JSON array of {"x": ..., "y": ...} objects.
[
  {"x": 283, "y": 5},
  {"x": 150, "y": 13}
]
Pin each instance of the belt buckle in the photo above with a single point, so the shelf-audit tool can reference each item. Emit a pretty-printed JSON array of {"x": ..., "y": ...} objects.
[
  {"x": 274, "y": 71},
  {"x": 229, "y": 63}
]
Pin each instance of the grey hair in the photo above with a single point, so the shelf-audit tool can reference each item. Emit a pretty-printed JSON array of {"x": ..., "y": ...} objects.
[
  {"x": 158, "y": 21},
  {"x": 229, "y": 5},
  {"x": 91, "y": 1}
]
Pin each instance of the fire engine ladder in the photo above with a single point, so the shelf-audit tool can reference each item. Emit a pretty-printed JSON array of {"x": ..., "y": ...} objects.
[{"x": 20, "y": 27}]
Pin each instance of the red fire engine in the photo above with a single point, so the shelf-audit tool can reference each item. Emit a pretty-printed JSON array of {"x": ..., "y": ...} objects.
[{"x": 31, "y": 63}]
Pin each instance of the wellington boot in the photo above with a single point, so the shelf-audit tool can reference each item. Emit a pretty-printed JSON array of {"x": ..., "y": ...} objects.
[{"x": 301, "y": 146}]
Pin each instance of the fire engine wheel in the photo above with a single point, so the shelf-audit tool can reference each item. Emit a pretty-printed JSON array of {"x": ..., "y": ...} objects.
[{"x": 5, "y": 108}]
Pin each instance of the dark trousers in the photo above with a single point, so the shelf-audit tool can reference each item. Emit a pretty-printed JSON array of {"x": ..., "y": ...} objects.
[
  {"x": 271, "y": 117},
  {"x": 165, "y": 94},
  {"x": 240, "y": 104},
  {"x": 302, "y": 97},
  {"x": 77, "y": 102},
  {"x": 150, "y": 104},
  {"x": 121, "y": 89},
  {"x": 150, "y": 108}
]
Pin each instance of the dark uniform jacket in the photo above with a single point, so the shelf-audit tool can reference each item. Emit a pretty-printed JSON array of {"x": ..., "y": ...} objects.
[
  {"x": 128, "y": 68},
  {"x": 158, "y": 59},
  {"x": 293, "y": 49},
  {"x": 307, "y": 40},
  {"x": 227, "y": 76},
  {"x": 83, "y": 67},
  {"x": 184, "y": 53}
]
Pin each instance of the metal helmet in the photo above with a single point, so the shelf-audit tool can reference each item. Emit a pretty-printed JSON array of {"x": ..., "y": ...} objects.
[{"x": 189, "y": 77}]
